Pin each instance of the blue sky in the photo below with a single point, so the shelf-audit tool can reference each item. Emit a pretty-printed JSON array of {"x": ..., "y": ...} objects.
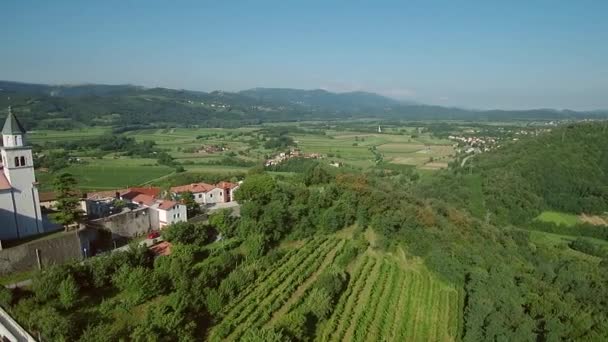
[{"x": 479, "y": 54}]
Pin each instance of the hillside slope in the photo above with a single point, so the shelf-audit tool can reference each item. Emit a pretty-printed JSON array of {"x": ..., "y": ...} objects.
[{"x": 60, "y": 106}]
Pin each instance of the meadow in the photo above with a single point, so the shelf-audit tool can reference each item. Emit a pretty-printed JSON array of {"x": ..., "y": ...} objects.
[{"x": 559, "y": 218}]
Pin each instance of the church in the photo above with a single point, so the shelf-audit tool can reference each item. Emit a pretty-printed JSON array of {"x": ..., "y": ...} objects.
[{"x": 20, "y": 214}]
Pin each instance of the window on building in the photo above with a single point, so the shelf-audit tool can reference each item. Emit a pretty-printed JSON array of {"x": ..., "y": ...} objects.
[
  {"x": 200, "y": 195},
  {"x": 16, "y": 161},
  {"x": 22, "y": 161},
  {"x": 221, "y": 194},
  {"x": 211, "y": 195}
]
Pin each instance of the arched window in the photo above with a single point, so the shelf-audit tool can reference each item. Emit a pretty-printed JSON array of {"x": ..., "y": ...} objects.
[
  {"x": 22, "y": 161},
  {"x": 16, "y": 161}
]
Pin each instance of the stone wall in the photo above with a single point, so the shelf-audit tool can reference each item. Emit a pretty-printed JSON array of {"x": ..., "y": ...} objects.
[
  {"x": 126, "y": 224},
  {"x": 55, "y": 249}
]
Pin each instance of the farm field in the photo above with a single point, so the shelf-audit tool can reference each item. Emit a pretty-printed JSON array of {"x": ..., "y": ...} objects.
[
  {"x": 384, "y": 299},
  {"x": 239, "y": 150},
  {"x": 109, "y": 174}
]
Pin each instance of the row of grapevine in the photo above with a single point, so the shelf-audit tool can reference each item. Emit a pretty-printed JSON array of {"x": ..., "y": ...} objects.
[
  {"x": 384, "y": 302},
  {"x": 270, "y": 290},
  {"x": 294, "y": 255},
  {"x": 367, "y": 312},
  {"x": 354, "y": 301},
  {"x": 361, "y": 270},
  {"x": 277, "y": 298}
]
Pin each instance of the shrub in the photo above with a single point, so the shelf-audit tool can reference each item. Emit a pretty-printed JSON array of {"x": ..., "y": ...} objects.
[{"x": 68, "y": 292}]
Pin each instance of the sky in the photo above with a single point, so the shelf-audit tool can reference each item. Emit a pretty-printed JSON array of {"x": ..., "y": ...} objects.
[{"x": 474, "y": 54}]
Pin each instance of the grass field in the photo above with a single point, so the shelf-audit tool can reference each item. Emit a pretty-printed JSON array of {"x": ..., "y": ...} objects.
[
  {"x": 559, "y": 218},
  {"x": 110, "y": 173}
]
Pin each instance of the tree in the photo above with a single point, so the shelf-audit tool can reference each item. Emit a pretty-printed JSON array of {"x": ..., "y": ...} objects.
[
  {"x": 316, "y": 174},
  {"x": 68, "y": 203},
  {"x": 257, "y": 188},
  {"x": 191, "y": 206},
  {"x": 224, "y": 222}
]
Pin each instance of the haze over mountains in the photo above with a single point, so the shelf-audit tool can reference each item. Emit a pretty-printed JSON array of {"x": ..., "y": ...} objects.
[{"x": 63, "y": 106}]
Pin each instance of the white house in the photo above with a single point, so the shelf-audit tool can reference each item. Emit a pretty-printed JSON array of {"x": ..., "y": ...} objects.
[
  {"x": 208, "y": 193},
  {"x": 170, "y": 212},
  {"x": 199, "y": 190},
  {"x": 20, "y": 213}
]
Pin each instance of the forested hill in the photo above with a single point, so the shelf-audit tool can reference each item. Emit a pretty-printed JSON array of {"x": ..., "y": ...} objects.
[
  {"x": 63, "y": 106},
  {"x": 563, "y": 170}
]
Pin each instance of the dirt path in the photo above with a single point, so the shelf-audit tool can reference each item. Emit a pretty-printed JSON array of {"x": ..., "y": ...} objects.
[
  {"x": 158, "y": 178},
  {"x": 329, "y": 258},
  {"x": 595, "y": 220}
]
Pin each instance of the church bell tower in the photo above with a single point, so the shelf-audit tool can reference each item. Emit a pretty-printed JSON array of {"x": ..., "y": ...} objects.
[{"x": 18, "y": 168}]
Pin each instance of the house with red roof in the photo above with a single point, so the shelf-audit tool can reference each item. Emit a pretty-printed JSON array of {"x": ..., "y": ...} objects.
[
  {"x": 208, "y": 193},
  {"x": 160, "y": 212},
  {"x": 170, "y": 212}
]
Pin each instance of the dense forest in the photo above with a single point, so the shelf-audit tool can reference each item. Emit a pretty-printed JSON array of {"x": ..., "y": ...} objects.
[
  {"x": 470, "y": 226},
  {"x": 65, "y": 107}
]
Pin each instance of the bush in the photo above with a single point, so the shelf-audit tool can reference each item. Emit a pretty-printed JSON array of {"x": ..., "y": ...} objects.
[
  {"x": 68, "y": 292},
  {"x": 6, "y": 297},
  {"x": 45, "y": 284}
]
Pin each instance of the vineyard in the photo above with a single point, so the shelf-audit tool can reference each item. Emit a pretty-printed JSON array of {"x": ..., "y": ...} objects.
[
  {"x": 384, "y": 302},
  {"x": 257, "y": 303},
  {"x": 381, "y": 301}
]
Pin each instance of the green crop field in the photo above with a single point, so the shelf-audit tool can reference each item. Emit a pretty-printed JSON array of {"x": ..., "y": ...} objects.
[
  {"x": 559, "y": 218},
  {"x": 109, "y": 174}
]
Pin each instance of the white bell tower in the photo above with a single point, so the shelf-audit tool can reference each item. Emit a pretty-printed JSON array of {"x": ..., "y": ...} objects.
[{"x": 18, "y": 168}]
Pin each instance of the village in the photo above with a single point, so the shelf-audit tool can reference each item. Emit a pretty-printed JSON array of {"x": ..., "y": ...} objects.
[{"x": 107, "y": 220}]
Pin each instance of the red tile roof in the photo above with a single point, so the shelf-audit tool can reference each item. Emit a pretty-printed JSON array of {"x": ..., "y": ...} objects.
[
  {"x": 4, "y": 183},
  {"x": 106, "y": 194},
  {"x": 166, "y": 205},
  {"x": 193, "y": 188},
  {"x": 162, "y": 248},
  {"x": 143, "y": 199},
  {"x": 150, "y": 191},
  {"x": 226, "y": 185},
  {"x": 127, "y": 193}
]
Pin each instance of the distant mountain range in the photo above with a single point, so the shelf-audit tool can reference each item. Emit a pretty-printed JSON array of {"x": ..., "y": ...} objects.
[{"x": 67, "y": 106}]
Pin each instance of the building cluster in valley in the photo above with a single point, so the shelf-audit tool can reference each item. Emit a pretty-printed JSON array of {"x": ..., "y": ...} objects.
[
  {"x": 126, "y": 213},
  {"x": 295, "y": 153},
  {"x": 473, "y": 144}
]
